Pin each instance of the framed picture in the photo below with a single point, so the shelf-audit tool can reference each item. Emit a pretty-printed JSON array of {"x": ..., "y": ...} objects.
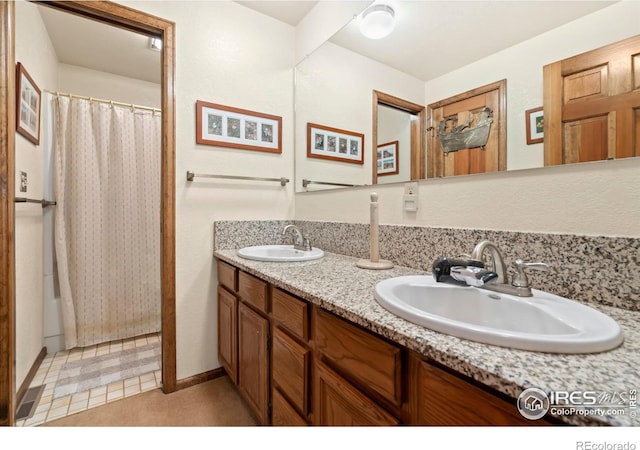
[
  {"x": 388, "y": 158},
  {"x": 226, "y": 126},
  {"x": 334, "y": 144},
  {"x": 28, "y": 101},
  {"x": 535, "y": 125}
]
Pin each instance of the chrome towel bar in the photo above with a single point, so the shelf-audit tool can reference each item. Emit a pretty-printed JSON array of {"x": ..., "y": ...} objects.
[
  {"x": 306, "y": 183},
  {"x": 190, "y": 176},
  {"x": 43, "y": 202}
]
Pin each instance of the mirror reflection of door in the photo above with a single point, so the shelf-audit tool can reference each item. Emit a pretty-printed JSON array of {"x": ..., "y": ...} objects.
[
  {"x": 398, "y": 144},
  {"x": 462, "y": 109},
  {"x": 592, "y": 105}
]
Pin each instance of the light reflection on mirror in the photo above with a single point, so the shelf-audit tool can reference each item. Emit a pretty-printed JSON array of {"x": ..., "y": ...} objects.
[{"x": 502, "y": 40}]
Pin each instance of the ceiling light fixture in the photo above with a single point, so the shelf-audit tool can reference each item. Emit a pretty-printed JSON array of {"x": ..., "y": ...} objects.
[
  {"x": 377, "y": 21},
  {"x": 155, "y": 44}
]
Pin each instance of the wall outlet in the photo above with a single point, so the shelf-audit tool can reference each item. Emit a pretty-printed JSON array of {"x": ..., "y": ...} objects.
[
  {"x": 23, "y": 181},
  {"x": 410, "y": 197},
  {"x": 411, "y": 188}
]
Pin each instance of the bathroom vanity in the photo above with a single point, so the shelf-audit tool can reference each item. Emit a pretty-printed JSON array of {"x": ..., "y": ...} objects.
[
  {"x": 296, "y": 363},
  {"x": 307, "y": 344}
]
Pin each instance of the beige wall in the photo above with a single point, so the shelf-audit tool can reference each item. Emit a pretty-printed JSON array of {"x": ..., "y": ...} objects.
[
  {"x": 107, "y": 86},
  {"x": 35, "y": 52},
  {"x": 595, "y": 198},
  {"x": 227, "y": 54},
  {"x": 334, "y": 88}
]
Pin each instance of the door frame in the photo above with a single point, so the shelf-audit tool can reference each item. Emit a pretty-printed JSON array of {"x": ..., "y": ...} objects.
[
  {"x": 133, "y": 20},
  {"x": 417, "y": 132}
]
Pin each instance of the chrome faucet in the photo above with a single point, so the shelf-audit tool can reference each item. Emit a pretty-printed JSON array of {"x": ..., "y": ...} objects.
[
  {"x": 300, "y": 242},
  {"x": 519, "y": 282},
  {"x": 496, "y": 259}
]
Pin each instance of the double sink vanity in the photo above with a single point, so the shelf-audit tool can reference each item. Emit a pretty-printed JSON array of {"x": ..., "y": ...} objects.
[{"x": 311, "y": 339}]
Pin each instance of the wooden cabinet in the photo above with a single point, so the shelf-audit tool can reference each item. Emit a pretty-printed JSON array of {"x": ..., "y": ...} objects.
[
  {"x": 369, "y": 361},
  {"x": 244, "y": 336},
  {"x": 228, "y": 276},
  {"x": 291, "y": 358},
  {"x": 228, "y": 332},
  {"x": 253, "y": 361},
  {"x": 442, "y": 398},
  {"x": 283, "y": 414},
  {"x": 297, "y": 364},
  {"x": 253, "y": 291},
  {"x": 338, "y": 403}
]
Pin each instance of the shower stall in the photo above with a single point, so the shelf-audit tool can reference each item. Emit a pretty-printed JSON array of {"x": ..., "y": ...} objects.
[{"x": 102, "y": 240}]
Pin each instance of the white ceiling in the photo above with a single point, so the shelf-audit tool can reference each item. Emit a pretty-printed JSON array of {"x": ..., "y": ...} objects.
[
  {"x": 94, "y": 45},
  {"x": 290, "y": 12},
  {"x": 431, "y": 37}
]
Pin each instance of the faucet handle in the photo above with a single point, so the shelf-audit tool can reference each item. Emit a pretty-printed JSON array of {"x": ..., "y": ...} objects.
[{"x": 520, "y": 277}]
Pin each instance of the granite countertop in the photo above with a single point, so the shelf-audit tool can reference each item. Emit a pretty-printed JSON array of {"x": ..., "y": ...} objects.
[{"x": 337, "y": 285}]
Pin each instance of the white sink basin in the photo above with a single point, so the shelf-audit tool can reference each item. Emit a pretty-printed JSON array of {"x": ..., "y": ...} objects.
[
  {"x": 544, "y": 322},
  {"x": 279, "y": 253}
]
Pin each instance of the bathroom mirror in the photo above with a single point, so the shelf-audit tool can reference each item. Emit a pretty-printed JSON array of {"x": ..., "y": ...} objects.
[{"x": 438, "y": 50}]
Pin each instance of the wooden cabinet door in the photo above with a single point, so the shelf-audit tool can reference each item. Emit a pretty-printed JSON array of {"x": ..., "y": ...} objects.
[
  {"x": 338, "y": 403},
  {"x": 444, "y": 399},
  {"x": 227, "y": 332},
  {"x": 253, "y": 362},
  {"x": 456, "y": 111},
  {"x": 592, "y": 105}
]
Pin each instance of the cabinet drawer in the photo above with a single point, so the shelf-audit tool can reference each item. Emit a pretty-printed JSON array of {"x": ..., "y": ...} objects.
[
  {"x": 254, "y": 291},
  {"x": 338, "y": 403},
  {"x": 291, "y": 313},
  {"x": 290, "y": 369},
  {"x": 283, "y": 414},
  {"x": 369, "y": 361},
  {"x": 445, "y": 399},
  {"x": 228, "y": 276}
]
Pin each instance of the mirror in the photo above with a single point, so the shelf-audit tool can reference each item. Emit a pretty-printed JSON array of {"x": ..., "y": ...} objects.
[{"x": 438, "y": 50}]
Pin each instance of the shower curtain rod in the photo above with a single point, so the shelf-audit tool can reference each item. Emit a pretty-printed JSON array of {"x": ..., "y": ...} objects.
[{"x": 99, "y": 100}]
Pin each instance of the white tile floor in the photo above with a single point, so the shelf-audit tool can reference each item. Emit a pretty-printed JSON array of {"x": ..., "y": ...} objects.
[{"x": 49, "y": 409}]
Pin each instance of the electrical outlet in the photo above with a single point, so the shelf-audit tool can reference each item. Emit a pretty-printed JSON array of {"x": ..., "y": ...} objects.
[
  {"x": 410, "y": 197},
  {"x": 411, "y": 188},
  {"x": 23, "y": 181}
]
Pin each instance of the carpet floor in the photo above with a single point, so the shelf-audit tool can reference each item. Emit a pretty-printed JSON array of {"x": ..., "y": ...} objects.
[{"x": 213, "y": 403}]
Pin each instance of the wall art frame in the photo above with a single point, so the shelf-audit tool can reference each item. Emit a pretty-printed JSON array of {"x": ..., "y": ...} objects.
[
  {"x": 28, "y": 105},
  {"x": 227, "y": 126},
  {"x": 535, "y": 125},
  {"x": 334, "y": 144},
  {"x": 387, "y": 159}
]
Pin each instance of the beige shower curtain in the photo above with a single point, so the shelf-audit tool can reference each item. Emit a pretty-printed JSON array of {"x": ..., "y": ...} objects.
[{"x": 107, "y": 221}]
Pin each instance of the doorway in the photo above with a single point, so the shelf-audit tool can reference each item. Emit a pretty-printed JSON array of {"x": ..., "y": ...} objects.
[
  {"x": 416, "y": 132},
  {"x": 139, "y": 22}
]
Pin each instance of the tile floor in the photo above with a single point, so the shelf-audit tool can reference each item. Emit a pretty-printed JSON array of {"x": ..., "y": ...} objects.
[{"x": 49, "y": 409}]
